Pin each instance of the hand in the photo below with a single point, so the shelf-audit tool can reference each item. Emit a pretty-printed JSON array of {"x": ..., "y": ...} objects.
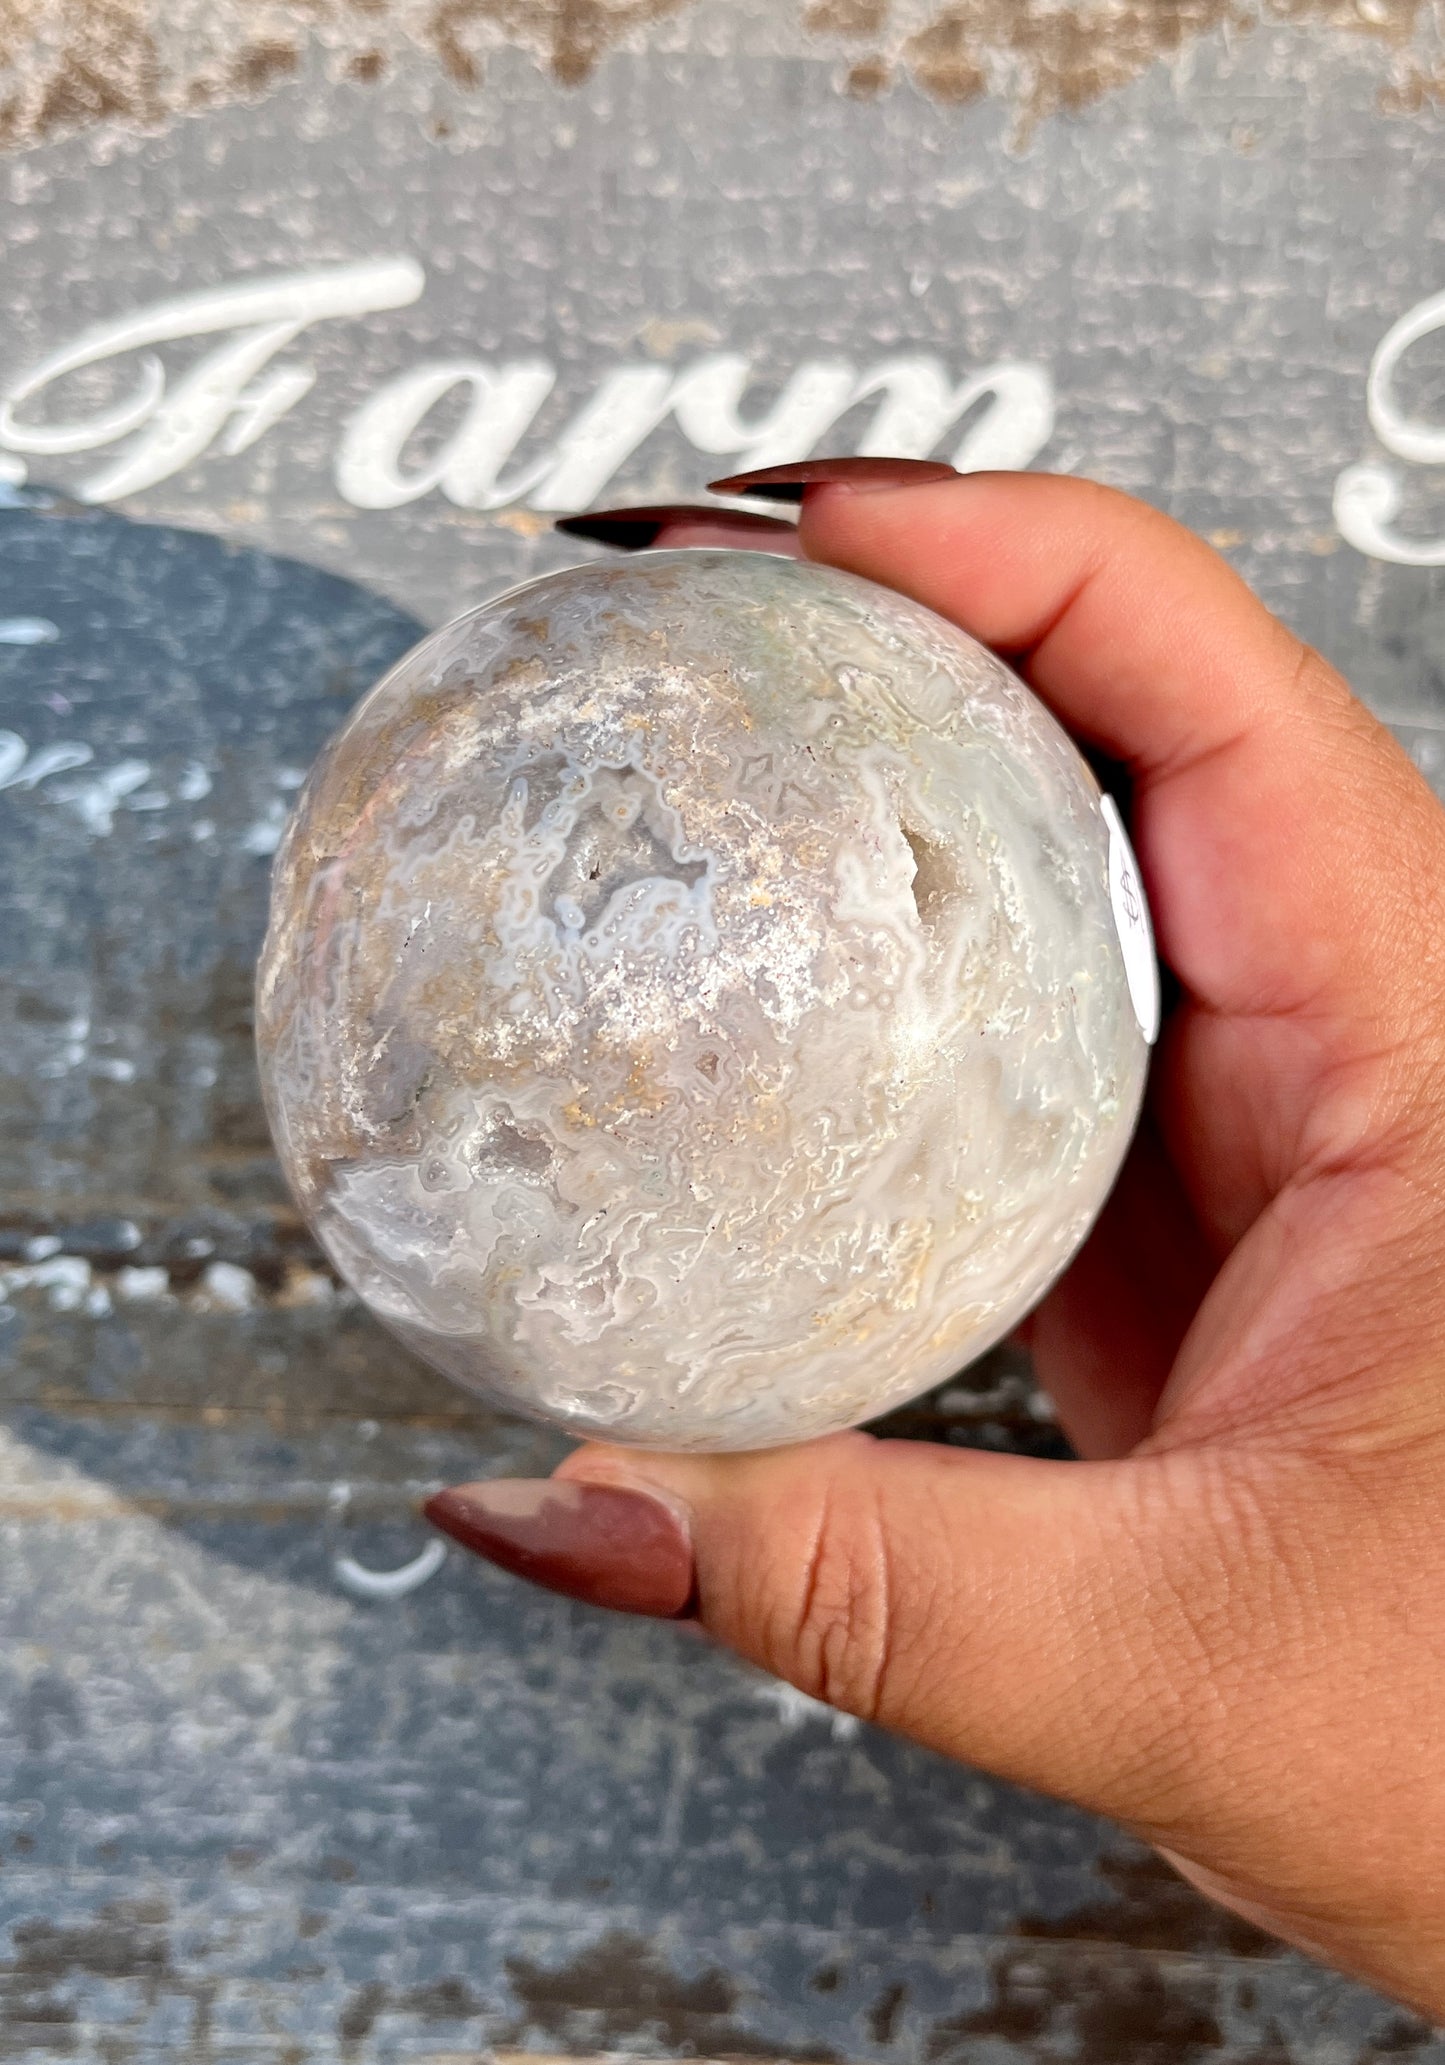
[{"x": 1226, "y": 1626}]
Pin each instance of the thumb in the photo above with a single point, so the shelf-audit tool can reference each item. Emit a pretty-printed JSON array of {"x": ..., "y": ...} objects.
[{"x": 1040, "y": 1620}]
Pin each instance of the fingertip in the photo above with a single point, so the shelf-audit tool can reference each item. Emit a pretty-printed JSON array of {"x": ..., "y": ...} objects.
[{"x": 1003, "y": 553}]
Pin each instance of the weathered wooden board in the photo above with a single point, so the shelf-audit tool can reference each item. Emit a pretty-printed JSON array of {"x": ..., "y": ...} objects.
[{"x": 585, "y": 250}]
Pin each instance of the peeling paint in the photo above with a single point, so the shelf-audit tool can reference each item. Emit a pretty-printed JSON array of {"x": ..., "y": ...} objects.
[
  {"x": 66, "y": 65},
  {"x": 570, "y": 35},
  {"x": 64, "y": 1278},
  {"x": 1047, "y": 60},
  {"x": 141, "y": 1286},
  {"x": 620, "y": 1992},
  {"x": 793, "y": 1708},
  {"x": 226, "y": 1288},
  {"x": 66, "y": 1281}
]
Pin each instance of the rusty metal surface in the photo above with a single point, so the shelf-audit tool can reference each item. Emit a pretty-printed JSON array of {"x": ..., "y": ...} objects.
[{"x": 249, "y": 1810}]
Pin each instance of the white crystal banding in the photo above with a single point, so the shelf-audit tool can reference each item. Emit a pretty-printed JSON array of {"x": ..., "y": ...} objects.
[{"x": 693, "y": 1011}]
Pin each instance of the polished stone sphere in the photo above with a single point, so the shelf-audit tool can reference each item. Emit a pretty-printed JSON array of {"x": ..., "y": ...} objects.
[{"x": 694, "y": 1010}]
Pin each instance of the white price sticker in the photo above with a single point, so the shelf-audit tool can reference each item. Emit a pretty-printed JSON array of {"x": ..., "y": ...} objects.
[{"x": 1131, "y": 916}]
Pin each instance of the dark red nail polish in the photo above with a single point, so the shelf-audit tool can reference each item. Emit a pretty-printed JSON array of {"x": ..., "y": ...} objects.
[
  {"x": 789, "y": 483},
  {"x": 633, "y": 530},
  {"x": 596, "y": 1542}
]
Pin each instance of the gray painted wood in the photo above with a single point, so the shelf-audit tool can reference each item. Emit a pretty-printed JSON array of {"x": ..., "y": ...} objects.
[{"x": 244, "y": 1813}]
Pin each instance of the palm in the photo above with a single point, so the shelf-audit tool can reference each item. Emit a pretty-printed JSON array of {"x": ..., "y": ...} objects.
[
  {"x": 1245, "y": 1213},
  {"x": 1113, "y": 1331}
]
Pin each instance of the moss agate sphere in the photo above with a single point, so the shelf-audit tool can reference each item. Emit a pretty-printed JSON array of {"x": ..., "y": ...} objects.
[{"x": 694, "y": 1010}]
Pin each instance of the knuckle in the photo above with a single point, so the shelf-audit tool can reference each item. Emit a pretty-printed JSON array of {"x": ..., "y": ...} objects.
[{"x": 841, "y": 1631}]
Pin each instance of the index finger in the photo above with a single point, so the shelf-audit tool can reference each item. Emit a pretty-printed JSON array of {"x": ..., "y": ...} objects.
[{"x": 1285, "y": 838}]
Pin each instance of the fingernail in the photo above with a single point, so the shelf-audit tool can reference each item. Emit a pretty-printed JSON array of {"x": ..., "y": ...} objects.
[
  {"x": 789, "y": 483},
  {"x": 596, "y": 1542},
  {"x": 633, "y": 530}
]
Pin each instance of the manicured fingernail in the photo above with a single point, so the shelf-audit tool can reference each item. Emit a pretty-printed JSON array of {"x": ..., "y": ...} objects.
[
  {"x": 597, "y": 1542},
  {"x": 789, "y": 483},
  {"x": 633, "y": 530}
]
